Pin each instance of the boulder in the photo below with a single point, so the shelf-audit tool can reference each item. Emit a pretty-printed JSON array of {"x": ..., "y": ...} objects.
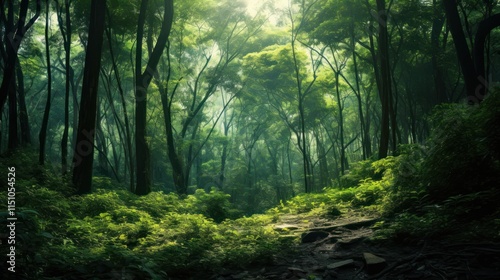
[
  {"x": 340, "y": 264},
  {"x": 374, "y": 264},
  {"x": 314, "y": 236},
  {"x": 285, "y": 227}
]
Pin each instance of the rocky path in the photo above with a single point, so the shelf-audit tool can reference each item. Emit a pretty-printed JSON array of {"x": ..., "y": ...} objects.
[{"x": 341, "y": 249}]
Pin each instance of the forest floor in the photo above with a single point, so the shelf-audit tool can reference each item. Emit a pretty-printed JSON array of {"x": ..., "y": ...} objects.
[{"x": 336, "y": 249}]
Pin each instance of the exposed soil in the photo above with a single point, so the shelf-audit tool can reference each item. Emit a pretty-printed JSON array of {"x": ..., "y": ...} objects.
[{"x": 338, "y": 254}]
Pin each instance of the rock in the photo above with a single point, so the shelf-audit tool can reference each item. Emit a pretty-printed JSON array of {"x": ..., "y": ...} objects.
[
  {"x": 314, "y": 236},
  {"x": 349, "y": 225},
  {"x": 285, "y": 227},
  {"x": 296, "y": 269},
  {"x": 340, "y": 264},
  {"x": 374, "y": 264}
]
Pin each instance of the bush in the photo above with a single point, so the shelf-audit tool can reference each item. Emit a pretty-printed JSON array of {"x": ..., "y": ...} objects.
[
  {"x": 461, "y": 158},
  {"x": 359, "y": 171},
  {"x": 214, "y": 205}
]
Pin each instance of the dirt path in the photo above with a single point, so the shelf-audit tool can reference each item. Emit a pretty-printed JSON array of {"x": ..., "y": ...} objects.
[{"x": 336, "y": 249}]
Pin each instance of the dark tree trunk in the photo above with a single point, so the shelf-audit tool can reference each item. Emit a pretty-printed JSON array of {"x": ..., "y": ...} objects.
[
  {"x": 385, "y": 79},
  {"x": 42, "y": 136},
  {"x": 440, "y": 93},
  {"x": 13, "y": 127},
  {"x": 15, "y": 34},
  {"x": 128, "y": 138},
  {"x": 483, "y": 30},
  {"x": 23, "y": 111},
  {"x": 175, "y": 161},
  {"x": 84, "y": 147},
  {"x": 102, "y": 158},
  {"x": 472, "y": 66},
  {"x": 463, "y": 52},
  {"x": 65, "y": 27},
  {"x": 143, "y": 183}
]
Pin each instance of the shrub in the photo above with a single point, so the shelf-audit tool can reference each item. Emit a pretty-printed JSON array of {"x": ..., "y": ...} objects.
[
  {"x": 96, "y": 203},
  {"x": 214, "y": 205},
  {"x": 461, "y": 159}
]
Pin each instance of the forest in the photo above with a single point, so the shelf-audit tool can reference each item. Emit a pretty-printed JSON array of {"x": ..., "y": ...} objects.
[{"x": 240, "y": 139}]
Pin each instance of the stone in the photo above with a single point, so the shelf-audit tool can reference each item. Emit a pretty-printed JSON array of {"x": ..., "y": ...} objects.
[
  {"x": 374, "y": 264},
  {"x": 340, "y": 264},
  {"x": 296, "y": 269},
  {"x": 285, "y": 227},
  {"x": 314, "y": 236}
]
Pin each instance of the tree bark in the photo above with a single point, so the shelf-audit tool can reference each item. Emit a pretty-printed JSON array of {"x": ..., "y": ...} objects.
[
  {"x": 42, "y": 136},
  {"x": 128, "y": 150},
  {"x": 23, "y": 110},
  {"x": 84, "y": 147},
  {"x": 385, "y": 79},
  {"x": 143, "y": 183},
  {"x": 65, "y": 28},
  {"x": 15, "y": 35}
]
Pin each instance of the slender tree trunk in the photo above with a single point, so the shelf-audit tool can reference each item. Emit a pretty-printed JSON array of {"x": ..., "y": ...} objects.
[
  {"x": 223, "y": 159},
  {"x": 175, "y": 161},
  {"x": 143, "y": 183},
  {"x": 65, "y": 27},
  {"x": 13, "y": 127},
  {"x": 440, "y": 94},
  {"x": 301, "y": 134},
  {"x": 385, "y": 77},
  {"x": 23, "y": 111},
  {"x": 101, "y": 145},
  {"x": 128, "y": 135},
  {"x": 84, "y": 147},
  {"x": 15, "y": 34},
  {"x": 42, "y": 136},
  {"x": 343, "y": 159}
]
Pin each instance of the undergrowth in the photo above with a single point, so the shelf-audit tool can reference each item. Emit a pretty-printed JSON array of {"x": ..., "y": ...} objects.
[
  {"x": 447, "y": 188},
  {"x": 115, "y": 234}
]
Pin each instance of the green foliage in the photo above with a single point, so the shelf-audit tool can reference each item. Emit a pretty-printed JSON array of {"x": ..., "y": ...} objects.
[
  {"x": 100, "y": 201},
  {"x": 359, "y": 171},
  {"x": 113, "y": 233},
  {"x": 407, "y": 226},
  {"x": 158, "y": 204},
  {"x": 462, "y": 158},
  {"x": 214, "y": 205},
  {"x": 450, "y": 186},
  {"x": 372, "y": 192}
]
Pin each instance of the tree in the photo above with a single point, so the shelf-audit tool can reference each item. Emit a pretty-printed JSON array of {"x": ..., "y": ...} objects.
[
  {"x": 14, "y": 35},
  {"x": 42, "y": 136},
  {"x": 142, "y": 81},
  {"x": 471, "y": 64},
  {"x": 203, "y": 69},
  {"x": 385, "y": 78},
  {"x": 66, "y": 32},
  {"x": 84, "y": 147}
]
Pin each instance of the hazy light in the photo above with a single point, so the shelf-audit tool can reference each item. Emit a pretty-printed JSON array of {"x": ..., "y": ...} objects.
[{"x": 253, "y": 6}]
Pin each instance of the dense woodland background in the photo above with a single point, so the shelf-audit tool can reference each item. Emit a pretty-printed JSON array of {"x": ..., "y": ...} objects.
[{"x": 229, "y": 108}]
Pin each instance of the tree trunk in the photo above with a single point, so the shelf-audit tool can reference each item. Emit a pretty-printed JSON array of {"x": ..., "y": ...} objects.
[
  {"x": 42, "y": 136},
  {"x": 23, "y": 111},
  {"x": 128, "y": 150},
  {"x": 15, "y": 35},
  {"x": 343, "y": 159},
  {"x": 440, "y": 93},
  {"x": 84, "y": 147},
  {"x": 143, "y": 183},
  {"x": 385, "y": 79},
  {"x": 65, "y": 28},
  {"x": 13, "y": 127}
]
